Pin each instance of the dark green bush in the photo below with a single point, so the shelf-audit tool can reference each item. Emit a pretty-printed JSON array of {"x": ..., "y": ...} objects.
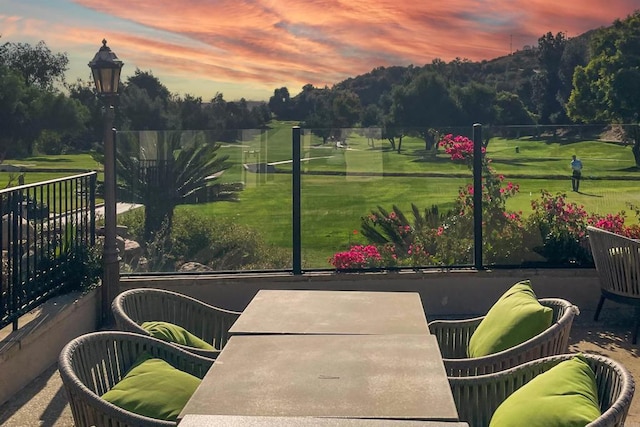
[{"x": 195, "y": 237}]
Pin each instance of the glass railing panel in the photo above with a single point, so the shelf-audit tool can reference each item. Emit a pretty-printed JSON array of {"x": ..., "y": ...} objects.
[
  {"x": 360, "y": 188},
  {"x": 402, "y": 192},
  {"x": 545, "y": 221},
  {"x": 206, "y": 201}
]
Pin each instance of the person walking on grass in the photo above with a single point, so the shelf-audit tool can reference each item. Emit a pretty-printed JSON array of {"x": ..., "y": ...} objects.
[{"x": 576, "y": 173}]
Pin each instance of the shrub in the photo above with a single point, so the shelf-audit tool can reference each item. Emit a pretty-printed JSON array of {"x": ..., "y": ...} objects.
[
  {"x": 562, "y": 228},
  {"x": 433, "y": 238},
  {"x": 220, "y": 245},
  {"x": 357, "y": 256}
]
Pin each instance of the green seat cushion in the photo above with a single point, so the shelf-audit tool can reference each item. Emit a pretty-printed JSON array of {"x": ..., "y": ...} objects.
[
  {"x": 153, "y": 388},
  {"x": 516, "y": 317},
  {"x": 176, "y": 334},
  {"x": 564, "y": 396}
]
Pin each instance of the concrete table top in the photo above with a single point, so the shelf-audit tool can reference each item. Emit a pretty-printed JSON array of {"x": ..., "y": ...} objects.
[
  {"x": 248, "y": 421},
  {"x": 332, "y": 312},
  {"x": 351, "y": 376}
]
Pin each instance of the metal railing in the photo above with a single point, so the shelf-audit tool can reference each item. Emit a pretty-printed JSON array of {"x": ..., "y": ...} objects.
[{"x": 45, "y": 228}]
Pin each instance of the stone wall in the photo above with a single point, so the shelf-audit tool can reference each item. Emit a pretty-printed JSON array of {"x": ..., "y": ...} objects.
[
  {"x": 29, "y": 351},
  {"x": 449, "y": 293}
]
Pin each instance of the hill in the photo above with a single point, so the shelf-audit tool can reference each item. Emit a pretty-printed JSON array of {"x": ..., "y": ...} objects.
[{"x": 510, "y": 73}]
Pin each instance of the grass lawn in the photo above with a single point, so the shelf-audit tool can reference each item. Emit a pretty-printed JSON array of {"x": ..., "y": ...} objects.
[
  {"x": 340, "y": 186},
  {"x": 333, "y": 205},
  {"x": 49, "y": 167}
]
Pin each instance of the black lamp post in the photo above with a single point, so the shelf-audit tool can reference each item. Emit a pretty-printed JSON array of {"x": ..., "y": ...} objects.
[{"x": 106, "y": 69}]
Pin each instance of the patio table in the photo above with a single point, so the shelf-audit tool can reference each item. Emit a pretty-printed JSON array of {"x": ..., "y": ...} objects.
[
  {"x": 332, "y": 312},
  {"x": 349, "y": 376},
  {"x": 248, "y": 421}
]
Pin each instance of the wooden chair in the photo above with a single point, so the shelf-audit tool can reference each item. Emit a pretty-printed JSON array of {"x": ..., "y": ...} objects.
[
  {"x": 92, "y": 364},
  {"x": 478, "y": 397},
  {"x": 133, "y": 307},
  {"x": 617, "y": 260},
  {"x": 454, "y": 335}
]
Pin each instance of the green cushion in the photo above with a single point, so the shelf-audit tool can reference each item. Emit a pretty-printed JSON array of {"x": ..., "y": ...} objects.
[
  {"x": 564, "y": 396},
  {"x": 176, "y": 334},
  {"x": 516, "y": 317},
  {"x": 153, "y": 388}
]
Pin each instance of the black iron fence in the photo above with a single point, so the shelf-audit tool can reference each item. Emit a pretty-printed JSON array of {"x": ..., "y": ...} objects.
[{"x": 47, "y": 229}]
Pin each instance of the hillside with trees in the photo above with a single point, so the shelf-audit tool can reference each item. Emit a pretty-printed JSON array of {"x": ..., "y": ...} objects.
[
  {"x": 591, "y": 78},
  {"x": 561, "y": 82}
]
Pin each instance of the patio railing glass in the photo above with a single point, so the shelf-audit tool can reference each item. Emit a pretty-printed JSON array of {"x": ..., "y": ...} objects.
[{"x": 295, "y": 199}]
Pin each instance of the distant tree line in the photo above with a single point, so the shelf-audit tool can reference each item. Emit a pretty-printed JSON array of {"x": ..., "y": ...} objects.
[
  {"x": 41, "y": 113},
  {"x": 592, "y": 78}
]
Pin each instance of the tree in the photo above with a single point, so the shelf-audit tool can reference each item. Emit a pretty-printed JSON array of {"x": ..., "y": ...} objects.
[
  {"x": 423, "y": 104},
  {"x": 61, "y": 123},
  {"x": 477, "y": 103},
  {"x": 217, "y": 112},
  {"x": 192, "y": 113},
  {"x": 346, "y": 109},
  {"x": 30, "y": 115},
  {"x": 36, "y": 64},
  {"x": 84, "y": 92},
  {"x": 146, "y": 104},
  {"x": 139, "y": 111},
  {"x": 547, "y": 85},
  {"x": 511, "y": 110},
  {"x": 371, "y": 116},
  {"x": 146, "y": 81},
  {"x": 280, "y": 103},
  {"x": 576, "y": 53},
  {"x": 14, "y": 110},
  {"x": 607, "y": 88}
]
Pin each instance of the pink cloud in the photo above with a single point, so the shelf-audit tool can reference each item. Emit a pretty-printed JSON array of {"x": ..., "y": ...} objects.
[{"x": 274, "y": 43}]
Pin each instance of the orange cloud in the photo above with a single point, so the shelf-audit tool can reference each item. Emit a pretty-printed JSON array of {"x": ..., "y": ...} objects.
[{"x": 271, "y": 43}]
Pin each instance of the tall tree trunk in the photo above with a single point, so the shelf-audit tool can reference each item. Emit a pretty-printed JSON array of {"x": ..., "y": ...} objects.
[
  {"x": 392, "y": 141},
  {"x": 633, "y": 132},
  {"x": 636, "y": 151}
]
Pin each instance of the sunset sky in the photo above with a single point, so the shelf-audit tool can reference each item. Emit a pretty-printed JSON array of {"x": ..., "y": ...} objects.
[{"x": 248, "y": 48}]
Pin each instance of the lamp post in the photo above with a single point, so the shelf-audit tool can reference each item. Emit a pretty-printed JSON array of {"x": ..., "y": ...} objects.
[{"x": 106, "y": 68}]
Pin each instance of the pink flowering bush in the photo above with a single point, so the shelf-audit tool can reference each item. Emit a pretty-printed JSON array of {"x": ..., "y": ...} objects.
[
  {"x": 458, "y": 147},
  {"x": 556, "y": 229},
  {"x": 562, "y": 228},
  {"x": 357, "y": 256},
  {"x": 502, "y": 230},
  {"x": 444, "y": 239},
  {"x": 405, "y": 242}
]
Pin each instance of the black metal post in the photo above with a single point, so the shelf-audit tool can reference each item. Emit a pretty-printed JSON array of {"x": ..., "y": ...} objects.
[
  {"x": 297, "y": 224},
  {"x": 110, "y": 258},
  {"x": 477, "y": 196}
]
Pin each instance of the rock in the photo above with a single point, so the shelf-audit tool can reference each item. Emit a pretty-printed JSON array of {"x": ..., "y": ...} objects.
[
  {"x": 120, "y": 244},
  {"x": 132, "y": 251},
  {"x": 194, "y": 266},
  {"x": 25, "y": 230}
]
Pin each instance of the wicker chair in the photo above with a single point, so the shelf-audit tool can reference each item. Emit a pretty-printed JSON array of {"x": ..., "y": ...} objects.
[
  {"x": 92, "y": 364},
  {"x": 478, "y": 397},
  {"x": 133, "y": 307},
  {"x": 617, "y": 260},
  {"x": 454, "y": 335}
]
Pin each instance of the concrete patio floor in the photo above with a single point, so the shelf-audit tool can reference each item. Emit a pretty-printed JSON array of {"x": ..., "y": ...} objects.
[{"x": 43, "y": 402}]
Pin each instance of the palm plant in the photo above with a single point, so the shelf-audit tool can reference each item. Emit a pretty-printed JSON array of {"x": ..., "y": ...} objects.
[{"x": 178, "y": 167}]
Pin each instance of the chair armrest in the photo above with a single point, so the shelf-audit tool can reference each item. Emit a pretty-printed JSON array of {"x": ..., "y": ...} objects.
[
  {"x": 477, "y": 397},
  {"x": 453, "y": 335}
]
